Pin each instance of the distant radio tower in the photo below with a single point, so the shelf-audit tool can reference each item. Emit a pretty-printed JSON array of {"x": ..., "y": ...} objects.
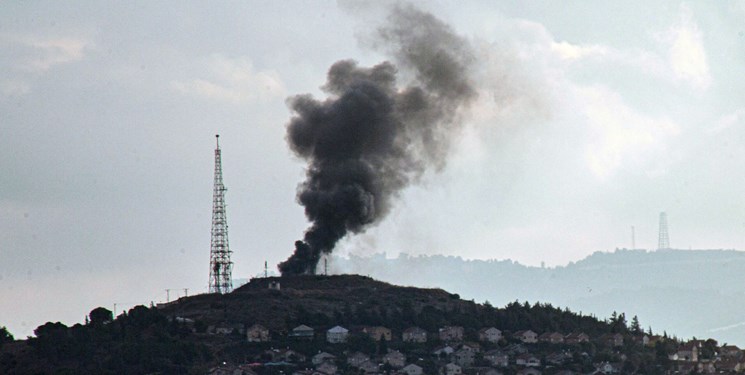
[
  {"x": 220, "y": 265},
  {"x": 664, "y": 239}
]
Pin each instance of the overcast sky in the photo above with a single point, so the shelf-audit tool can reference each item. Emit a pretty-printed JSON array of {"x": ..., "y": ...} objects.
[{"x": 591, "y": 118}]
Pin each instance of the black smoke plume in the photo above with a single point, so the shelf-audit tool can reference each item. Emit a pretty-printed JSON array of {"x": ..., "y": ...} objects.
[{"x": 372, "y": 137}]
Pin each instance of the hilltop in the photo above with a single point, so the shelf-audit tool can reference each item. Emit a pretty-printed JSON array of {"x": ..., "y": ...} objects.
[{"x": 199, "y": 333}]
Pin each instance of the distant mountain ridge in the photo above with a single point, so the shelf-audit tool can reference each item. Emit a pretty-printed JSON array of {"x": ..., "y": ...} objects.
[{"x": 689, "y": 292}]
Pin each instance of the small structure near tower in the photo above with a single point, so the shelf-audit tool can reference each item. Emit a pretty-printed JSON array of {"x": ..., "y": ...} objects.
[{"x": 221, "y": 278}]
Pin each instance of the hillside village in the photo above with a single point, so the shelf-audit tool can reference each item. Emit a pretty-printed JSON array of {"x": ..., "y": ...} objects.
[
  {"x": 386, "y": 335},
  {"x": 489, "y": 351}
]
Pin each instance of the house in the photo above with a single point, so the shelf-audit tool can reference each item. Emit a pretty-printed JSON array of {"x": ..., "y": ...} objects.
[
  {"x": 490, "y": 334},
  {"x": 608, "y": 368},
  {"x": 497, "y": 358},
  {"x": 472, "y": 347},
  {"x": 613, "y": 339},
  {"x": 225, "y": 328},
  {"x": 484, "y": 371},
  {"x": 322, "y": 357},
  {"x": 528, "y": 337},
  {"x": 395, "y": 358},
  {"x": 451, "y": 369},
  {"x": 337, "y": 335},
  {"x": 369, "y": 367},
  {"x": 464, "y": 357},
  {"x": 576, "y": 338},
  {"x": 654, "y": 339},
  {"x": 642, "y": 339},
  {"x": 327, "y": 368},
  {"x": 286, "y": 355},
  {"x": 412, "y": 369},
  {"x": 528, "y": 360},
  {"x": 378, "y": 333},
  {"x": 258, "y": 333},
  {"x": 686, "y": 352},
  {"x": 529, "y": 371},
  {"x": 451, "y": 333},
  {"x": 730, "y": 351},
  {"x": 302, "y": 332},
  {"x": 558, "y": 358},
  {"x": 706, "y": 367},
  {"x": 443, "y": 351},
  {"x": 730, "y": 365},
  {"x": 515, "y": 349},
  {"x": 357, "y": 358},
  {"x": 551, "y": 338},
  {"x": 231, "y": 370},
  {"x": 414, "y": 334}
]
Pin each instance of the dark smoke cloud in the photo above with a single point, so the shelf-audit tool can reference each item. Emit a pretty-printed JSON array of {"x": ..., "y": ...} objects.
[{"x": 372, "y": 137}]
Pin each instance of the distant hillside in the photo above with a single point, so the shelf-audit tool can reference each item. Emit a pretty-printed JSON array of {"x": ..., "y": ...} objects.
[{"x": 689, "y": 292}]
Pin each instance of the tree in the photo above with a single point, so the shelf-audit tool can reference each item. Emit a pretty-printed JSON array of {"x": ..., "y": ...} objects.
[
  {"x": 5, "y": 336},
  {"x": 100, "y": 316},
  {"x": 636, "y": 328}
]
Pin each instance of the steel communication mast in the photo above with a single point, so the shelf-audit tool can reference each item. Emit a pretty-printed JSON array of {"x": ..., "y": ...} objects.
[
  {"x": 663, "y": 242},
  {"x": 221, "y": 279}
]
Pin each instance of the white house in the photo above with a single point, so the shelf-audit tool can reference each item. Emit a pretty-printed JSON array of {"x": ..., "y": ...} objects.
[
  {"x": 395, "y": 358},
  {"x": 451, "y": 369},
  {"x": 337, "y": 335},
  {"x": 497, "y": 358},
  {"x": 323, "y": 357},
  {"x": 356, "y": 359},
  {"x": 490, "y": 334},
  {"x": 415, "y": 334},
  {"x": 528, "y": 337},
  {"x": 412, "y": 369},
  {"x": 302, "y": 332}
]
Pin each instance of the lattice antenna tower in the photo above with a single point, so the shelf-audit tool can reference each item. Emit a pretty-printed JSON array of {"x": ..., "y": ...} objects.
[
  {"x": 663, "y": 242},
  {"x": 221, "y": 278}
]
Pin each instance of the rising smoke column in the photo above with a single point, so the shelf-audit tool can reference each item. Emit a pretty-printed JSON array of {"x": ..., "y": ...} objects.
[{"x": 371, "y": 137}]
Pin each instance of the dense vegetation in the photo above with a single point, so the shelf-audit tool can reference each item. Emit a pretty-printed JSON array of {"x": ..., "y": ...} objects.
[{"x": 140, "y": 341}]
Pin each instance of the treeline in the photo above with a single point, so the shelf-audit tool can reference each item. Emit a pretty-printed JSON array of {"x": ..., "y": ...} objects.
[{"x": 139, "y": 341}]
